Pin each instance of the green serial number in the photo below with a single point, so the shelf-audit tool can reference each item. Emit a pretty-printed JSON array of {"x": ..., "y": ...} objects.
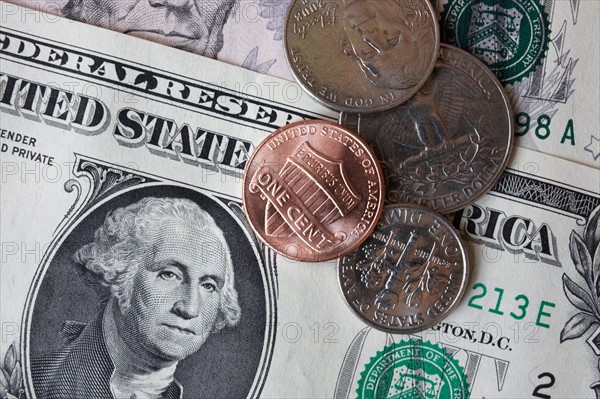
[
  {"x": 542, "y": 127},
  {"x": 518, "y": 306}
]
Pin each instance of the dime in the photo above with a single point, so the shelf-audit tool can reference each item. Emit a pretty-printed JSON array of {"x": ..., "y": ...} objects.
[
  {"x": 408, "y": 274},
  {"x": 361, "y": 55},
  {"x": 450, "y": 143},
  {"x": 313, "y": 191}
]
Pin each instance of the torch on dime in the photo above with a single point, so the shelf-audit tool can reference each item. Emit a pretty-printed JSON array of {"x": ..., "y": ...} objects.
[
  {"x": 313, "y": 191},
  {"x": 409, "y": 274}
]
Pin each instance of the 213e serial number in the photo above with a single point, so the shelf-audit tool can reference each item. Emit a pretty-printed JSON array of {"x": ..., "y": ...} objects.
[{"x": 517, "y": 307}]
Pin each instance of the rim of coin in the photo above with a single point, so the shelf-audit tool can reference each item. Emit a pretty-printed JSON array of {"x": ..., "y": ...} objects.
[
  {"x": 313, "y": 191},
  {"x": 448, "y": 165},
  {"x": 414, "y": 256},
  {"x": 373, "y": 57}
]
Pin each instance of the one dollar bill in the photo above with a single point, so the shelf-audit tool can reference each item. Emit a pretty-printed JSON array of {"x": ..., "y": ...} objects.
[
  {"x": 97, "y": 129},
  {"x": 545, "y": 52}
]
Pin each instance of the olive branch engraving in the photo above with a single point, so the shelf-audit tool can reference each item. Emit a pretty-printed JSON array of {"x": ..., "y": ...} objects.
[
  {"x": 372, "y": 266},
  {"x": 427, "y": 171},
  {"x": 393, "y": 270},
  {"x": 423, "y": 279},
  {"x": 585, "y": 253},
  {"x": 11, "y": 375}
]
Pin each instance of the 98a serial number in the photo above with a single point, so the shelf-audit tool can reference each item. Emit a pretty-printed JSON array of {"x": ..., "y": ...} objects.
[{"x": 542, "y": 128}]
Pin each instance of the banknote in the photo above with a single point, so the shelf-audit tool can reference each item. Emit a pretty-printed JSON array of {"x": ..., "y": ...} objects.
[
  {"x": 247, "y": 33},
  {"x": 128, "y": 268},
  {"x": 535, "y": 47}
]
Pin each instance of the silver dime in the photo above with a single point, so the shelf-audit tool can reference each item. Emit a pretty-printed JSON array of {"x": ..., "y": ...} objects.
[
  {"x": 450, "y": 143},
  {"x": 408, "y": 274},
  {"x": 361, "y": 55}
]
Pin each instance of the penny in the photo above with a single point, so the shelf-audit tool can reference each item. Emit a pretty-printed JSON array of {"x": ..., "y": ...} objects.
[
  {"x": 450, "y": 143},
  {"x": 361, "y": 55},
  {"x": 409, "y": 274},
  {"x": 313, "y": 191}
]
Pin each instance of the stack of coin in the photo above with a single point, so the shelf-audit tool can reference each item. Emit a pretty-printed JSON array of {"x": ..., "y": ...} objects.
[
  {"x": 447, "y": 145},
  {"x": 439, "y": 123}
]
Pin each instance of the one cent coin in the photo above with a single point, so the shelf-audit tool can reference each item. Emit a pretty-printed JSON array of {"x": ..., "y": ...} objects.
[
  {"x": 361, "y": 55},
  {"x": 450, "y": 143},
  {"x": 408, "y": 274},
  {"x": 313, "y": 191}
]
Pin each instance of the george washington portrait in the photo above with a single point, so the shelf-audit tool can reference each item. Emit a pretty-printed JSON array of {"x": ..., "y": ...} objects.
[
  {"x": 148, "y": 297},
  {"x": 192, "y": 25}
]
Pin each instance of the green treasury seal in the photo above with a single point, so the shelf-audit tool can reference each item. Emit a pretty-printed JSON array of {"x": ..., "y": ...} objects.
[
  {"x": 510, "y": 36},
  {"x": 410, "y": 370}
]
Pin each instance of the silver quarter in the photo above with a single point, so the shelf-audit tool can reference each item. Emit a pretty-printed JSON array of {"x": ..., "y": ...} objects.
[
  {"x": 409, "y": 274},
  {"x": 450, "y": 143},
  {"x": 361, "y": 55}
]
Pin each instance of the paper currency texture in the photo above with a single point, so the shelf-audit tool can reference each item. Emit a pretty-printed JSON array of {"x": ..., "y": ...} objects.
[
  {"x": 127, "y": 266},
  {"x": 544, "y": 51}
]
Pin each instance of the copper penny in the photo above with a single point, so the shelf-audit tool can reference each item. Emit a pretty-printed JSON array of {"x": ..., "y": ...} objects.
[
  {"x": 408, "y": 274},
  {"x": 361, "y": 55},
  {"x": 313, "y": 191}
]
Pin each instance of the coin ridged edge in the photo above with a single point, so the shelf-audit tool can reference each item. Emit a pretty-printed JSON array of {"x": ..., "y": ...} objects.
[
  {"x": 455, "y": 302},
  {"x": 366, "y": 234},
  {"x": 511, "y": 127},
  {"x": 413, "y": 91}
]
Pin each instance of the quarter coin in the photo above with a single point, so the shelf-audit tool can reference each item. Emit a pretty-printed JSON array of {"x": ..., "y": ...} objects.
[
  {"x": 361, "y": 55},
  {"x": 450, "y": 143},
  {"x": 313, "y": 191},
  {"x": 409, "y": 274}
]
